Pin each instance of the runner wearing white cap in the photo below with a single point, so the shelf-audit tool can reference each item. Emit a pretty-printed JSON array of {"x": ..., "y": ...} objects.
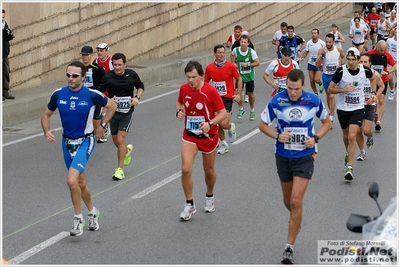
[{"x": 348, "y": 82}]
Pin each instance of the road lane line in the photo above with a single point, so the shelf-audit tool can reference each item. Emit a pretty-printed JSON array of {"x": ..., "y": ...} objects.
[
  {"x": 29, "y": 253},
  {"x": 156, "y": 186},
  {"x": 27, "y": 138}
]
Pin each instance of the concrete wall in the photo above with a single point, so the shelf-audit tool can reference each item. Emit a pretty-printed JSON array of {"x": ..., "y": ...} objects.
[{"x": 50, "y": 35}]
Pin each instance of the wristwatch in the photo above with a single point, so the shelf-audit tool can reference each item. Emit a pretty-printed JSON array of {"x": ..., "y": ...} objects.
[
  {"x": 137, "y": 96},
  {"x": 277, "y": 136},
  {"x": 104, "y": 125},
  {"x": 211, "y": 124},
  {"x": 316, "y": 138}
]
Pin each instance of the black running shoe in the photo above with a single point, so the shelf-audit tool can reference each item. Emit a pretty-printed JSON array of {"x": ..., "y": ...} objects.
[{"x": 288, "y": 256}]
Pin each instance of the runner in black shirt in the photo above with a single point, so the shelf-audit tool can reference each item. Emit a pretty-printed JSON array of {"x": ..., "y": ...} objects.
[{"x": 120, "y": 83}]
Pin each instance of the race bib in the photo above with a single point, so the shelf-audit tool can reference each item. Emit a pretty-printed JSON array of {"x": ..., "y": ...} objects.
[
  {"x": 367, "y": 92},
  {"x": 88, "y": 81},
  {"x": 297, "y": 140},
  {"x": 193, "y": 124},
  {"x": 245, "y": 70},
  {"x": 378, "y": 68},
  {"x": 330, "y": 68},
  {"x": 73, "y": 145},
  {"x": 313, "y": 60},
  {"x": 220, "y": 87},
  {"x": 282, "y": 84},
  {"x": 124, "y": 104}
]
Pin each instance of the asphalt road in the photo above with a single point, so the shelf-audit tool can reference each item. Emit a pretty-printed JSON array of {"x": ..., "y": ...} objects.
[{"x": 140, "y": 215}]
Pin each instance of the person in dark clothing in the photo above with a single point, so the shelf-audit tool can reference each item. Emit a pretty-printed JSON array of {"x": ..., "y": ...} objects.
[
  {"x": 94, "y": 74},
  {"x": 8, "y": 35},
  {"x": 120, "y": 83}
]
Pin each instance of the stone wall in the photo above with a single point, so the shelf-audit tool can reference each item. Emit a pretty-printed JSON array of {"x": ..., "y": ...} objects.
[{"x": 50, "y": 35}]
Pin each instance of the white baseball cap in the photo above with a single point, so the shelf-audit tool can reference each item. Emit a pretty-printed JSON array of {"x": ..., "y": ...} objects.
[
  {"x": 245, "y": 33},
  {"x": 354, "y": 50},
  {"x": 103, "y": 46}
]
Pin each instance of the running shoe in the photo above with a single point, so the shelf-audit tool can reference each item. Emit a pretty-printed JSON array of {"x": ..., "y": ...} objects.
[
  {"x": 223, "y": 149},
  {"x": 321, "y": 88},
  {"x": 102, "y": 140},
  {"x": 378, "y": 126},
  {"x": 346, "y": 161},
  {"x": 288, "y": 255},
  {"x": 252, "y": 115},
  {"x": 187, "y": 212},
  {"x": 332, "y": 120},
  {"x": 349, "y": 174},
  {"x": 128, "y": 158},
  {"x": 370, "y": 141},
  {"x": 209, "y": 204},
  {"x": 246, "y": 99},
  {"x": 77, "y": 226},
  {"x": 362, "y": 156},
  {"x": 375, "y": 116},
  {"x": 119, "y": 174},
  {"x": 232, "y": 133},
  {"x": 391, "y": 95},
  {"x": 240, "y": 113},
  {"x": 93, "y": 221}
]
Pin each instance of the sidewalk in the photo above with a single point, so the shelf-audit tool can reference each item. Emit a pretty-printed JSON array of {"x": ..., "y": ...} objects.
[{"x": 30, "y": 103}]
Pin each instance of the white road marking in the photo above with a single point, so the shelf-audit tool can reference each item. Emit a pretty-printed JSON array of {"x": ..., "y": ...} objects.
[
  {"x": 29, "y": 253},
  {"x": 26, "y": 138},
  {"x": 157, "y": 185}
]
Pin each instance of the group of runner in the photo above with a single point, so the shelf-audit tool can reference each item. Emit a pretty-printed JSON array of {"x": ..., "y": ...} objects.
[
  {"x": 359, "y": 79},
  {"x": 205, "y": 103}
]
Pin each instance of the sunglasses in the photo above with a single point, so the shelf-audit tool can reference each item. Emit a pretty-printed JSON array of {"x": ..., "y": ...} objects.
[{"x": 74, "y": 75}]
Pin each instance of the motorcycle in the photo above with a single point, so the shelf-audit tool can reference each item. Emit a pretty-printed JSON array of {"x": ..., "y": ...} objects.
[{"x": 379, "y": 235}]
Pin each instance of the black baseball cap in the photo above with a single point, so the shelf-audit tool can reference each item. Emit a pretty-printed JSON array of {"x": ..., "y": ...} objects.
[
  {"x": 286, "y": 50},
  {"x": 86, "y": 50}
]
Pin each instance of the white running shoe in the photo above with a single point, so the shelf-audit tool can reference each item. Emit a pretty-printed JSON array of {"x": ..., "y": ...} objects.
[
  {"x": 77, "y": 226},
  {"x": 392, "y": 94},
  {"x": 209, "y": 204},
  {"x": 332, "y": 120},
  {"x": 223, "y": 149},
  {"x": 187, "y": 212},
  {"x": 246, "y": 99},
  {"x": 362, "y": 156},
  {"x": 93, "y": 221},
  {"x": 232, "y": 133}
]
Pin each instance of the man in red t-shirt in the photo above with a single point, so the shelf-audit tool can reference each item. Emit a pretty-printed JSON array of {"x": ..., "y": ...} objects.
[
  {"x": 201, "y": 107},
  {"x": 223, "y": 73},
  {"x": 380, "y": 59},
  {"x": 372, "y": 20},
  {"x": 234, "y": 37}
]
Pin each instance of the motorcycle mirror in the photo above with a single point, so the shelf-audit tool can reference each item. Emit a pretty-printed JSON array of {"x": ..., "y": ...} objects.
[
  {"x": 374, "y": 192},
  {"x": 356, "y": 221}
]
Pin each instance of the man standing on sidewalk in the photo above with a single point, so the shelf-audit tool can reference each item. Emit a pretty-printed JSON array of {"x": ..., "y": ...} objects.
[
  {"x": 223, "y": 75},
  {"x": 75, "y": 103},
  {"x": 8, "y": 35},
  {"x": 120, "y": 83}
]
